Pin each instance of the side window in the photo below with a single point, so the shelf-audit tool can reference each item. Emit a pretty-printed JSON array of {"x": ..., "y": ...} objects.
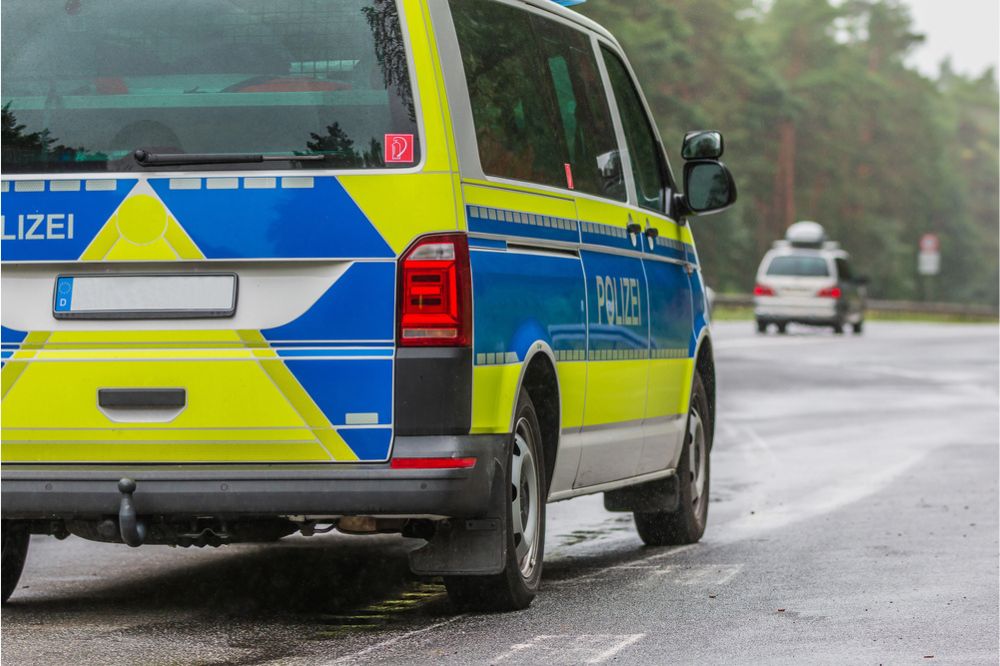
[
  {"x": 843, "y": 271},
  {"x": 644, "y": 151},
  {"x": 591, "y": 145},
  {"x": 537, "y": 100}
]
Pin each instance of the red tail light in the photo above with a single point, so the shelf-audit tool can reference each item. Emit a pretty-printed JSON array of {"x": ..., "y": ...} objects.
[
  {"x": 435, "y": 293},
  {"x": 763, "y": 290},
  {"x": 830, "y": 292}
]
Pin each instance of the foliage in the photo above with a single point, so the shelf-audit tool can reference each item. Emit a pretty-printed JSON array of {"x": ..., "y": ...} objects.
[{"x": 824, "y": 120}]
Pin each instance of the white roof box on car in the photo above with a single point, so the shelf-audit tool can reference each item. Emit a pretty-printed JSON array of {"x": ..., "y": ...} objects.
[{"x": 806, "y": 234}]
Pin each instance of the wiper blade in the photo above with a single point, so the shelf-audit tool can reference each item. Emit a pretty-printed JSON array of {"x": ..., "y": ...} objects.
[{"x": 147, "y": 159}]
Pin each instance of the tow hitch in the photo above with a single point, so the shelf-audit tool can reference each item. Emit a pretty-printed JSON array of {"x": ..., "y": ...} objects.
[{"x": 133, "y": 530}]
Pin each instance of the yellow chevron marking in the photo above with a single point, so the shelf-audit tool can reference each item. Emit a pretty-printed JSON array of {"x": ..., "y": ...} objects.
[{"x": 142, "y": 229}]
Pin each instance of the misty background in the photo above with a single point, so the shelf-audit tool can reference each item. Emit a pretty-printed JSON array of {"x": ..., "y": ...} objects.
[{"x": 834, "y": 112}]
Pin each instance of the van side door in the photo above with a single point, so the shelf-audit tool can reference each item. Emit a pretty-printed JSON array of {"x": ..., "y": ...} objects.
[{"x": 667, "y": 264}]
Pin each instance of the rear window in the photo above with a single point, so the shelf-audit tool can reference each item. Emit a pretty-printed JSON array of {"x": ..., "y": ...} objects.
[
  {"x": 538, "y": 102},
  {"x": 799, "y": 265},
  {"x": 87, "y": 82}
]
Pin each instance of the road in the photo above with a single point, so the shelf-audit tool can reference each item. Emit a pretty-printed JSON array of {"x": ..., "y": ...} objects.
[{"x": 854, "y": 519}]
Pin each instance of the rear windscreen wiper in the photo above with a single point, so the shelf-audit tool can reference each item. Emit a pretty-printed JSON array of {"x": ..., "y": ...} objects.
[{"x": 148, "y": 159}]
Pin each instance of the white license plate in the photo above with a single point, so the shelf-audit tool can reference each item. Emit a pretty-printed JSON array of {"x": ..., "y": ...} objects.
[{"x": 144, "y": 296}]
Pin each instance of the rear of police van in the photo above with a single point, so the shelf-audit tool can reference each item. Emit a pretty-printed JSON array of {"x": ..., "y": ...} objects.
[{"x": 230, "y": 269}]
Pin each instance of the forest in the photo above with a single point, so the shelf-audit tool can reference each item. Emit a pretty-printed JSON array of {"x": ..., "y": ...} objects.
[{"x": 824, "y": 120}]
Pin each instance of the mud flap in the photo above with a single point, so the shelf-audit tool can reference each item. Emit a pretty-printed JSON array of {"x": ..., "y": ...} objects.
[
  {"x": 650, "y": 497},
  {"x": 470, "y": 546}
]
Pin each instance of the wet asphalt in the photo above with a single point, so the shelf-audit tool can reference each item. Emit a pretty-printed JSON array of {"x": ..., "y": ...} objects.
[{"x": 854, "y": 519}]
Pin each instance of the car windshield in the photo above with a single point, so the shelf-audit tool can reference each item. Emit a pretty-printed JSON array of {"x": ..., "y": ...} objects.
[
  {"x": 799, "y": 265},
  {"x": 87, "y": 82}
]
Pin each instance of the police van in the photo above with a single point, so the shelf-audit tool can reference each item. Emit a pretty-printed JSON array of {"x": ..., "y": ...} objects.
[{"x": 412, "y": 266}]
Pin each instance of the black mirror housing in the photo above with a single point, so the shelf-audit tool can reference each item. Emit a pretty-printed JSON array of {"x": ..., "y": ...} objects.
[
  {"x": 703, "y": 145},
  {"x": 709, "y": 187}
]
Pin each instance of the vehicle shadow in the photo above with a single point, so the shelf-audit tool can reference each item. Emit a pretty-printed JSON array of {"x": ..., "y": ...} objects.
[{"x": 294, "y": 577}]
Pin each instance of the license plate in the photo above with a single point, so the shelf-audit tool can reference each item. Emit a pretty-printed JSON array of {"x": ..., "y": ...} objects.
[{"x": 144, "y": 296}]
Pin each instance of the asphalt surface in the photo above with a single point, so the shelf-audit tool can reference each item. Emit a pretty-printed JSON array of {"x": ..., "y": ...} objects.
[{"x": 854, "y": 519}]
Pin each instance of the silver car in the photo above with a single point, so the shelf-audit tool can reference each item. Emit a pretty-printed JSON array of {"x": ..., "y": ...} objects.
[{"x": 808, "y": 286}]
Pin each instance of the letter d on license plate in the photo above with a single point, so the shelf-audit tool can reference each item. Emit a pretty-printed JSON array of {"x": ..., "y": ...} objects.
[{"x": 144, "y": 296}]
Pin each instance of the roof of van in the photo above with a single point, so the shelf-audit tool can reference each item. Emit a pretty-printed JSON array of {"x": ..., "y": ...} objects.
[{"x": 569, "y": 14}]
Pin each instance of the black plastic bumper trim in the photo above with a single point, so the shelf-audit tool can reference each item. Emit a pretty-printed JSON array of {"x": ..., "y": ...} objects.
[
  {"x": 433, "y": 390},
  {"x": 63, "y": 492}
]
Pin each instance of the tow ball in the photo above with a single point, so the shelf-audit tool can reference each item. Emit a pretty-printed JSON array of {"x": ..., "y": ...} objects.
[{"x": 132, "y": 530}]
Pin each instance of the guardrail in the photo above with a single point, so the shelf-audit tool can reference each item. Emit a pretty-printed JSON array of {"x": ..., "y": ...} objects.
[{"x": 901, "y": 308}]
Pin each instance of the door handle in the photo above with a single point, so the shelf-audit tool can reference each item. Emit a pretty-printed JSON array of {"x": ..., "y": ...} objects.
[{"x": 142, "y": 398}]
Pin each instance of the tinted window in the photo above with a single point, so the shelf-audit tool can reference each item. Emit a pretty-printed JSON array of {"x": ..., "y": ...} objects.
[
  {"x": 537, "y": 99},
  {"x": 644, "y": 150},
  {"x": 799, "y": 265},
  {"x": 87, "y": 83},
  {"x": 844, "y": 270}
]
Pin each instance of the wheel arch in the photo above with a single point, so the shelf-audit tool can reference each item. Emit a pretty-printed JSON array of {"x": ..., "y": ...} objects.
[
  {"x": 704, "y": 367},
  {"x": 541, "y": 381}
]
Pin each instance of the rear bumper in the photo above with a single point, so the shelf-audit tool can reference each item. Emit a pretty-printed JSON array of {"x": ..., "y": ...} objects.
[
  {"x": 817, "y": 310},
  {"x": 90, "y": 491}
]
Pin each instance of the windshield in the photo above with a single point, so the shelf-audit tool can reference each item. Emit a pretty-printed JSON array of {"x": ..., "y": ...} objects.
[
  {"x": 799, "y": 265},
  {"x": 87, "y": 82}
]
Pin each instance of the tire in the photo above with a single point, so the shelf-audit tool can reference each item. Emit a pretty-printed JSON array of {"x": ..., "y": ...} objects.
[
  {"x": 838, "y": 328},
  {"x": 761, "y": 326},
  {"x": 516, "y": 586},
  {"x": 687, "y": 523},
  {"x": 15, "y": 550},
  {"x": 859, "y": 328},
  {"x": 782, "y": 327}
]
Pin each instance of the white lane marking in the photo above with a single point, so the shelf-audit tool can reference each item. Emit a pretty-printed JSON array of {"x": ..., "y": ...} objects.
[
  {"x": 615, "y": 649},
  {"x": 568, "y": 649},
  {"x": 346, "y": 659},
  {"x": 594, "y": 574},
  {"x": 702, "y": 574}
]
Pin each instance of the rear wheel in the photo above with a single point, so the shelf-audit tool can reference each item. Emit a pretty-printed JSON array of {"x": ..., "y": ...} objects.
[
  {"x": 782, "y": 327},
  {"x": 859, "y": 327},
  {"x": 838, "y": 328},
  {"x": 761, "y": 326},
  {"x": 516, "y": 586},
  {"x": 687, "y": 523},
  {"x": 15, "y": 550}
]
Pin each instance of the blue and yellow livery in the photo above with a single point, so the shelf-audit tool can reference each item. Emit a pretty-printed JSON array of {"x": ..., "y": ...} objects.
[{"x": 390, "y": 265}]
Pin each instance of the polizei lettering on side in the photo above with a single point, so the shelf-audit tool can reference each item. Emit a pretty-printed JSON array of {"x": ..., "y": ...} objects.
[
  {"x": 38, "y": 226},
  {"x": 618, "y": 301}
]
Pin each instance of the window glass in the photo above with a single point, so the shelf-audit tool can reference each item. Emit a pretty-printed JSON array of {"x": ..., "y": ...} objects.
[
  {"x": 799, "y": 265},
  {"x": 87, "y": 83},
  {"x": 844, "y": 270},
  {"x": 537, "y": 100},
  {"x": 644, "y": 150}
]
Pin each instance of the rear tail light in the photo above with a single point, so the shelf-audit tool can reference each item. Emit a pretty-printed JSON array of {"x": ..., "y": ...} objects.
[
  {"x": 763, "y": 290},
  {"x": 830, "y": 292},
  {"x": 435, "y": 293}
]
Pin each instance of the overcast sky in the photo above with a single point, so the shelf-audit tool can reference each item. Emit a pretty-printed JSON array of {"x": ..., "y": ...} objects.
[{"x": 966, "y": 30}]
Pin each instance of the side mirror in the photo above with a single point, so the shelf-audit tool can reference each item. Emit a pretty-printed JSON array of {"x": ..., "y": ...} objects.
[
  {"x": 703, "y": 145},
  {"x": 708, "y": 187},
  {"x": 609, "y": 167}
]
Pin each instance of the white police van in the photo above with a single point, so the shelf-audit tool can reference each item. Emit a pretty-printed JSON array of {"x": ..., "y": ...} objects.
[{"x": 411, "y": 266}]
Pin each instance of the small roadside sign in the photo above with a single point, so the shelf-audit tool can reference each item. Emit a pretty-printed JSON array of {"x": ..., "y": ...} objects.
[{"x": 929, "y": 259}]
